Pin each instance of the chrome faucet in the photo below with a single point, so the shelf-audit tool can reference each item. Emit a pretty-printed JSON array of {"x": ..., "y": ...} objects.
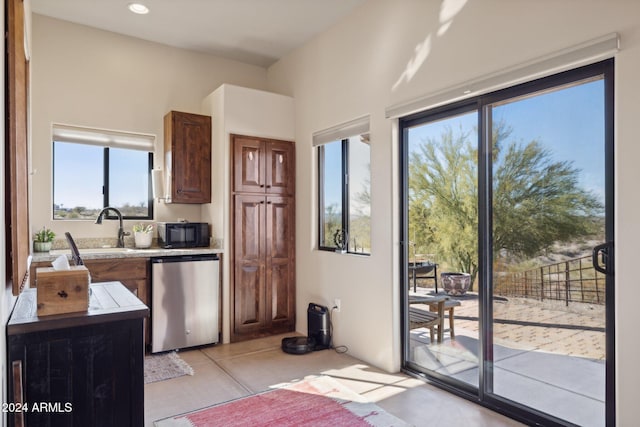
[{"x": 121, "y": 232}]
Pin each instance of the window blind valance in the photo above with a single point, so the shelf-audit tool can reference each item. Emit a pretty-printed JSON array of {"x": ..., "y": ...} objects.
[
  {"x": 103, "y": 138},
  {"x": 351, "y": 128},
  {"x": 573, "y": 57}
]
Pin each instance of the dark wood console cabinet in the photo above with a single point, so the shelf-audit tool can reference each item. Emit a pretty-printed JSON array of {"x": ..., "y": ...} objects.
[{"x": 77, "y": 369}]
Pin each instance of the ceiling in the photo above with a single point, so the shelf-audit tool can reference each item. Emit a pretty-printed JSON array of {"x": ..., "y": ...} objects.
[{"x": 258, "y": 32}]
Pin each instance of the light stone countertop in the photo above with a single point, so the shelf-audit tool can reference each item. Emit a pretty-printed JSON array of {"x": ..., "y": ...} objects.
[{"x": 112, "y": 253}]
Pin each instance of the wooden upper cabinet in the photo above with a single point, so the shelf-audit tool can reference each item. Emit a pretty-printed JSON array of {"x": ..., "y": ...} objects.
[
  {"x": 279, "y": 159},
  {"x": 187, "y": 148},
  {"x": 248, "y": 165},
  {"x": 263, "y": 166}
]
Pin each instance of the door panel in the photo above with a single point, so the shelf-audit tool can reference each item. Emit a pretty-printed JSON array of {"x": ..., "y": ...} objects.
[
  {"x": 188, "y": 154},
  {"x": 280, "y": 174},
  {"x": 249, "y": 289},
  {"x": 279, "y": 280},
  {"x": 249, "y": 232},
  {"x": 534, "y": 333},
  {"x": 549, "y": 182},
  {"x": 249, "y": 166},
  {"x": 280, "y": 227},
  {"x": 443, "y": 235},
  {"x": 249, "y": 272},
  {"x": 280, "y": 260},
  {"x": 190, "y": 136}
]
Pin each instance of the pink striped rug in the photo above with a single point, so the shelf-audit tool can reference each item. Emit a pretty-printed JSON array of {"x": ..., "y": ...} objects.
[{"x": 318, "y": 401}]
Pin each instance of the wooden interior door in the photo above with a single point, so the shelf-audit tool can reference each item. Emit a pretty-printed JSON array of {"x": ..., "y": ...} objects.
[
  {"x": 249, "y": 272},
  {"x": 280, "y": 262},
  {"x": 263, "y": 282}
]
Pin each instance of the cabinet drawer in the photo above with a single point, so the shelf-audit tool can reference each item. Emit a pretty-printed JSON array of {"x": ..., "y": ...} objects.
[{"x": 104, "y": 270}]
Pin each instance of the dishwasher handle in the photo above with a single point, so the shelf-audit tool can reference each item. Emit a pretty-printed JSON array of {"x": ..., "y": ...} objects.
[{"x": 185, "y": 258}]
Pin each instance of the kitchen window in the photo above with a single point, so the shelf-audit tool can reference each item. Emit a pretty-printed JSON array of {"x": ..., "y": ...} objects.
[
  {"x": 344, "y": 189},
  {"x": 93, "y": 169}
]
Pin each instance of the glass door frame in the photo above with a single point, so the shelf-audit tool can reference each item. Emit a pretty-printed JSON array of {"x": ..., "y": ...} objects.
[
  {"x": 460, "y": 108},
  {"x": 483, "y": 104}
]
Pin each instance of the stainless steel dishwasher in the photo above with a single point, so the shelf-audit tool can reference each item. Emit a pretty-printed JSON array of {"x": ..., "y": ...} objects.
[{"x": 184, "y": 301}]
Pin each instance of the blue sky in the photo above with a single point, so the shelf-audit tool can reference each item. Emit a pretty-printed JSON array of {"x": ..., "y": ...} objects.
[
  {"x": 568, "y": 122},
  {"x": 78, "y": 176},
  {"x": 359, "y": 173}
]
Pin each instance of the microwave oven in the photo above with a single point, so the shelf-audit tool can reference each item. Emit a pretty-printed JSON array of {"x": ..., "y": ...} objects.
[{"x": 172, "y": 235}]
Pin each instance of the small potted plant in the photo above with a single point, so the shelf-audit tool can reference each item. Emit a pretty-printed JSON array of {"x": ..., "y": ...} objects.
[
  {"x": 143, "y": 235},
  {"x": 43, "y": 239}
]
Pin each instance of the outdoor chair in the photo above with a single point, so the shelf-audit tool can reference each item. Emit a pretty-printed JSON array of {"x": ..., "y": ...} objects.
[{"x": 423, "y": 270}]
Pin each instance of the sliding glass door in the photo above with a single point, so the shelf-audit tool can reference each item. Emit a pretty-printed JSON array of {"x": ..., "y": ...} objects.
[
  {"x": 507, "y": 215},
  {"x": 442, "y": 212}
]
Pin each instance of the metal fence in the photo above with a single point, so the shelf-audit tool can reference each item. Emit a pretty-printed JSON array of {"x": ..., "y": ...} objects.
[{"x": 573, "y": 280}]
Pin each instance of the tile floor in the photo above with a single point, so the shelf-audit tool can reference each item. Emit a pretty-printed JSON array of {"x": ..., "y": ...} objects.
[{"x": 229, "y": 371}]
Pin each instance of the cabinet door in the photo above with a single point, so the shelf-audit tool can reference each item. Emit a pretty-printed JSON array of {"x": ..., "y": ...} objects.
[
  {"x": 133, "y": 273},
  {"x": 280, "y": 169},
  {"x": 93, "y": 373},
  {"x": 249, "y": 272},
  {"x": 280, "y": 263},
  {"x": 188, "y": 154},
  {"x": 248, "y": 165}
]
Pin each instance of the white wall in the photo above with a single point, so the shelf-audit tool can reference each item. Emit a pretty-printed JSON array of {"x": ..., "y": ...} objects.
[
  {"x": 387, "y": 52},
  {"x": 89, "y": 77},
  {"x": 242, "y": 111}
]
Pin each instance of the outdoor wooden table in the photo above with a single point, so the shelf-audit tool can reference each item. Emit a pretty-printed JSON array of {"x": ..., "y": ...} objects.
[{"x": 433, "y": 301}]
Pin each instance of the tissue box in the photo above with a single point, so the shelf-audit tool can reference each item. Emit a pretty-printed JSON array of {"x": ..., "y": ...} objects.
[{"x": 62, "y": 291}]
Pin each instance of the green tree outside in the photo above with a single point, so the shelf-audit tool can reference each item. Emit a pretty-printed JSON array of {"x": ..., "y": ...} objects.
[{"x": 536, "y": 201}]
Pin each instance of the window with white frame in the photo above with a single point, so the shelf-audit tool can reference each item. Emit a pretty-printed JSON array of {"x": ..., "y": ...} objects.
[
  {"x": 95, "y": 168},
  {"x": 344, "y": 188}
]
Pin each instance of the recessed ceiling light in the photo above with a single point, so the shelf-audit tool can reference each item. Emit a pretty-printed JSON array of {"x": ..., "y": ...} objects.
[{"x": 138, "y": 8}]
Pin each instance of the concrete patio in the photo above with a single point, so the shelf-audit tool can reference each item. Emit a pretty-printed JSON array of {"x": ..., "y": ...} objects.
[{"x": 546, "y": 355}]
